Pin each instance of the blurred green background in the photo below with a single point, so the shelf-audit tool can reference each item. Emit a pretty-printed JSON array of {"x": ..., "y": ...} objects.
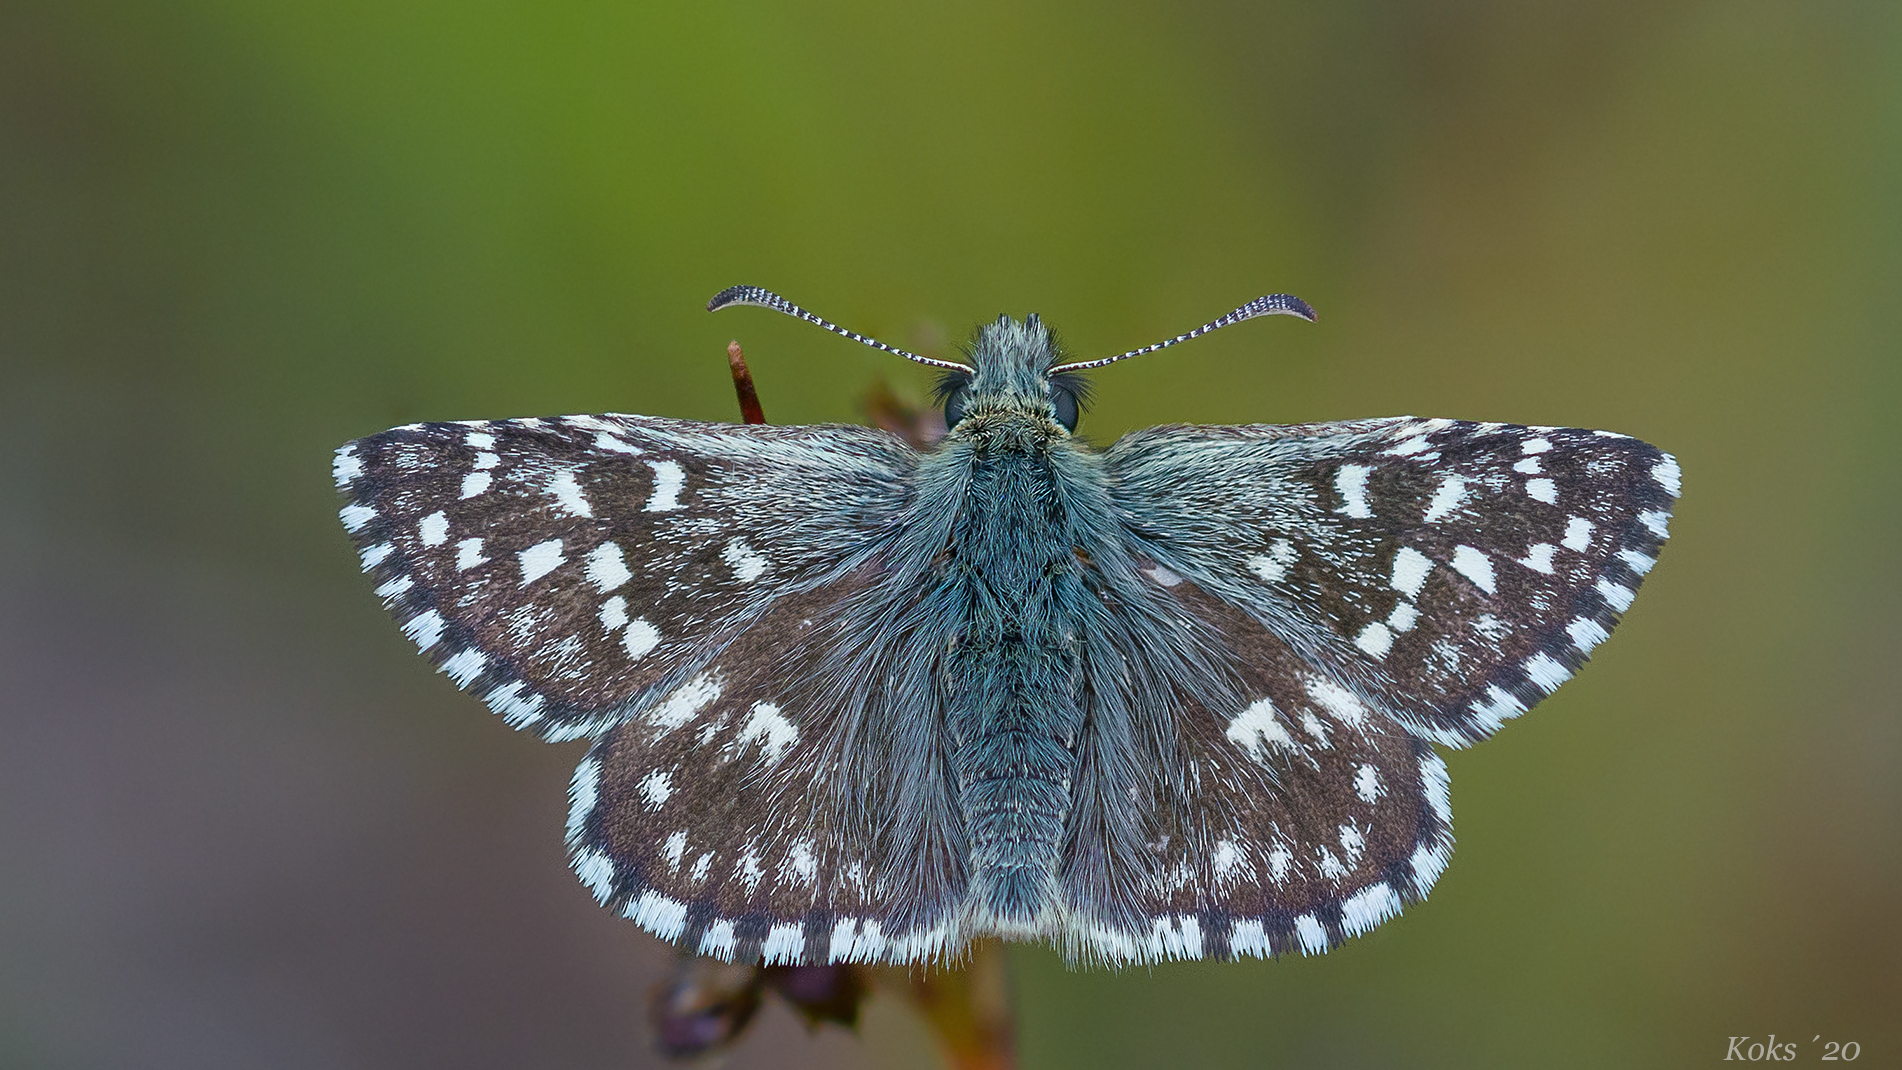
[{"x": 241, "y": 823}]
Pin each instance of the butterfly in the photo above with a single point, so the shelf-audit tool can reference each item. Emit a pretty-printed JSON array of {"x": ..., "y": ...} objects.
[{"x": 851, "y": 701}]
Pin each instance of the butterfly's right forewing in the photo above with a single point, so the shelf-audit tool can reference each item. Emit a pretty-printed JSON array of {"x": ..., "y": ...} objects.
[{"x": 1450, "y": 573}]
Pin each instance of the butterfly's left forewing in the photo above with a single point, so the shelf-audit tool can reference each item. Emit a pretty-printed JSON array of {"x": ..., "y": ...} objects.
[{"x": 569, "y": 571}]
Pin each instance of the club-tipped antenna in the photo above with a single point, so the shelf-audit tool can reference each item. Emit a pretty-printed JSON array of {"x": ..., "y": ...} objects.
[
  {"x": 753, "y": 295},
  {"x": 1271, "y": 305}
]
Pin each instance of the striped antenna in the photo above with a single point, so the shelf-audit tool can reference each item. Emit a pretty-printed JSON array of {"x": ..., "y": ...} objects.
[
  {"x": 753, "y": 295},
  {"x": 1271, "y": 305}
]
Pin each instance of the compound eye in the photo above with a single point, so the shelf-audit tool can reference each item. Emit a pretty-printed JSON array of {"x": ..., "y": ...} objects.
[
  {"x": 1065, "y": 401},
  {"x": 954, "y": 407}
]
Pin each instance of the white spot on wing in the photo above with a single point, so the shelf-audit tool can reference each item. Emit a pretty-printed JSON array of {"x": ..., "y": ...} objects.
[
  {"x": 475, "y": 483},
  {"x": 1313, "y": 726},
  {"x": 1618, "y": 595},
  {"x": 784, "y": 944},
  {"x": 1446, "y": 498},
  {"x": 675, "y": 846},
  {"x": 1586, "y": 633},
  {"x": 469, "y": 554},
  {"x": 354, "y": 516},
  {"x": 1227, "y": 862},
  {"x": 1403, "y": 617},
  {"x": 1248, "y": 938},
  {"x": 1475, "y": 566},
  {"x": 1367, "y": 783},
  {"x": 745, "y": 562},
  {"x": 1637, "y": 562},
  {"x": 1539, "y": 558},
  {"x": 1353, "y": 843},
  {"x": 1338, "y": 701},
  {"x": 539, "y": 560},
  {"x": 1546, "y": 671},
  {"x": 583, "y": 790},
  {"x": 1578, "y": 534},
  {"x": 607, "y": 569},
  {"x": 679, "y": 708},
  {"x": 596, "y": 871},
  {"x": 1544, "y": 490},
  {"x": 1657, "y": 522},
  {"x": 605, "y": 441},
  {"x": 1368, "y": 908},
  {"x": 657, "y": 786},
  {"x": 1274, "y": 565},
  {"x": 1257, "y": 726},
  {"x": 346, "y": 467},
  {"x": 1498, "y": 707},
  {"x": 801, "y": 863},
  {"x": 1410, "y": 568},
  {"x": 1162, "y": 576},
  {"x": 1311, "y": 933},
  {"x": 658, "y": 914},
  {"x": 718, "y": 940},
  {"x": 480, "y": 440},
  {"x": 1351, "y": 481},
  {"x": 1535, "y": 445},
  {"x": 425, "y": 628},
  {"x": 464, "y": 666},
  {"x": 769, "y": 728},
  {"x": 641, "y": 638},
  {"x": 669, "y": 480},
  {"x": 567, "y": 492},
  {"x": 1530, "y": 466},
  {"x": 516, "y": 709},
  {"x": 374, "y": 555},
  {"x": 1437, "y": 787},
  {"x": 434, "y": 529},
  {"x": 1375, "y": 639},
  {"x": 1667, "y": 475},
  {"x": 485, "y": 461}
]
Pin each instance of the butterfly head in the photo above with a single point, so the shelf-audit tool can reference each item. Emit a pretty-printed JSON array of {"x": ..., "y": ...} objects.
[
  {"x": 1009, "y": 377},
  {"x": 1016, "y": 369}
]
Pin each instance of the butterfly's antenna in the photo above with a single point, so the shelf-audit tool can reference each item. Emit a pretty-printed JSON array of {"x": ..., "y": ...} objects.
[
  {"x": 1271, "y": 305},
  {"x": 753, "y": 295}
]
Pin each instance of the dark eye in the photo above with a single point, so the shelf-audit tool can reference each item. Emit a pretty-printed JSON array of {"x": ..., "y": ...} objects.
[
  {"x": 954, "y": 407},
  {"x": 1065, "y": 401}
]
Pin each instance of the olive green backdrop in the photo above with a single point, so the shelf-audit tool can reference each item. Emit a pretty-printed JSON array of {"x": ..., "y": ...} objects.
[{"x": 241, "y": 823}]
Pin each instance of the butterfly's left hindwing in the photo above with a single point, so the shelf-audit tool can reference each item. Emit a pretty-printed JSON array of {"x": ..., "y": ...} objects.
[
  {"x": 730, "y": 819},
  {"x": 1450, "y": 573},
  {"x": 572, "y": 571}
]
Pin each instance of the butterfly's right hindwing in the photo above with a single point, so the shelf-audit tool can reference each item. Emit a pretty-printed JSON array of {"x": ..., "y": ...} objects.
[
  {"x": 572, "y": 571},
  {"x": 1304, "y": 816}
]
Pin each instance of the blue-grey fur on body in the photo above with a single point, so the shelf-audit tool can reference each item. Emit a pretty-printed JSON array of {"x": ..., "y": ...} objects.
[{"x": 1011, "y": 566}]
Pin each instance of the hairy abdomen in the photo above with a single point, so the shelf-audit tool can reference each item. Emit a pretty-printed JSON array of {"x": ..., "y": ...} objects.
[{"x": 1014, "y": 713}]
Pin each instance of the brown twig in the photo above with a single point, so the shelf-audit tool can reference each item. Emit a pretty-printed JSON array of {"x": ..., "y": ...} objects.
[{"x": 750, "y": 412}]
